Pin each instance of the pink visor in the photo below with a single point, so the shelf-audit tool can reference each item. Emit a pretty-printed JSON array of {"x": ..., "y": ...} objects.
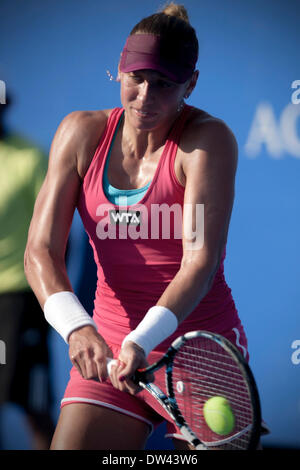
[{"x": 147, "y": 51}]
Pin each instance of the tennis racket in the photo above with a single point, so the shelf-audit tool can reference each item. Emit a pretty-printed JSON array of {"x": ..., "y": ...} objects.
[{"x": 201, "y": 365}]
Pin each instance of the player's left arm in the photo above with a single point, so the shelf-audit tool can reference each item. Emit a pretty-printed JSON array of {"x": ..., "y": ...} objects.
[{"x": 209, "y": 167}]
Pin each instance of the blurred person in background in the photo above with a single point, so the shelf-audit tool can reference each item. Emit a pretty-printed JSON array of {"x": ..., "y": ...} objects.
[{"x": 24, "y": 378}]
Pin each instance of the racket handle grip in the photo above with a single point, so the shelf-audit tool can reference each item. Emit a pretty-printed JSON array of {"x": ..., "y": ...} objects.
[{"x": 110, "y": 362}]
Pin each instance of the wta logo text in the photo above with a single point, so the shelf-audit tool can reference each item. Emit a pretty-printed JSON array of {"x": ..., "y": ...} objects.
[{"x": 162, "y": 221}]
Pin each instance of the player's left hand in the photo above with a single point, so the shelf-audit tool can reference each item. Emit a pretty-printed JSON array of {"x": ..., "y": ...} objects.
[{"x": 131, "y": 358}]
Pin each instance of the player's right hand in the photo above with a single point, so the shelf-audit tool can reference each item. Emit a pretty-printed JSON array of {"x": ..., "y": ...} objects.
[{"x": 88, "y": 352}]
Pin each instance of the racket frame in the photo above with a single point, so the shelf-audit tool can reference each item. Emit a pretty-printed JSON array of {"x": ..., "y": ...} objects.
[{"x": 169, "y": 403}]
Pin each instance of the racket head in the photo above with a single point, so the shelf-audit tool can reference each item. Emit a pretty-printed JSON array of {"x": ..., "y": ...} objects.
[{"x": 207, "y": 365}]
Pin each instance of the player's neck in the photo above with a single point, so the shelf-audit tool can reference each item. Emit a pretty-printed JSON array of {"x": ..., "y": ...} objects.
[{"x": 140, "y": 143}]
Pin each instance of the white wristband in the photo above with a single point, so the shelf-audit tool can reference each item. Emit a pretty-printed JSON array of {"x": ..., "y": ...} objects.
[
  {"x": 157, "y": 325},
  {"x": 65, "y": 313}
]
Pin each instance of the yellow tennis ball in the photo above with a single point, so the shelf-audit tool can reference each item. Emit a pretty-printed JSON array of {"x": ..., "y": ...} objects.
[{"x": 218, "y": 415}]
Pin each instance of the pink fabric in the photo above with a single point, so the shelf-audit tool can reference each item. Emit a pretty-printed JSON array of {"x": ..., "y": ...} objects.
[{"x": 133, "y": 274}]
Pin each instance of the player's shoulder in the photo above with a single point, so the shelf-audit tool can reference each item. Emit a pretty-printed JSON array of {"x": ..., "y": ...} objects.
[
  {"x": 79, "y": 134},
  {"x": 88, "y": 116},
  {"x": 205, "y": 131},
  {"x": 84, "y": 125},
  {"x": 204, "y": 126}
]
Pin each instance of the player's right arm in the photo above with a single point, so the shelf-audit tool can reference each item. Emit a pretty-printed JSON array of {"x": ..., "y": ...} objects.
[
  {"x": 71, "y": 152},
  {"x": 52, "y": 217}
]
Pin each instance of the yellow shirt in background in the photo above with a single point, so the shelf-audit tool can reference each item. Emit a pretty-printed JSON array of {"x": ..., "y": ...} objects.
[{"x": 22, "y": 170}]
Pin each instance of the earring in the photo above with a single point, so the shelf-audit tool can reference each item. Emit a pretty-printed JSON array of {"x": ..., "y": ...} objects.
[
  {"x": 180, "y": 106},
  {"x": 110, "y": 76}
]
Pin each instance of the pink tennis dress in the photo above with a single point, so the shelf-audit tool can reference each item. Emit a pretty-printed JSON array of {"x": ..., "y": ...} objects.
[{"x": 138, "y": 251}]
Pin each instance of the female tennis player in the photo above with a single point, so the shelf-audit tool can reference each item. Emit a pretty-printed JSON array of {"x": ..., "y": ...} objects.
[{"x": 141, "y": 176}]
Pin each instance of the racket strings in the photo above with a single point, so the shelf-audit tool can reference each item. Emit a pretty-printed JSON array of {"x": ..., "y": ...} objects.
[
  {"x": 214, "y": 361},
  {"x": 214, "y": 370},
  {"x": 234, "y": 399},
  {"x": 209, "y": 387},
  {"x": 218, "y": 372},
  {"x": 203, "y": 369}
]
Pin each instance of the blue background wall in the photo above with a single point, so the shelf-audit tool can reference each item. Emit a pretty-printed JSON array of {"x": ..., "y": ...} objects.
[{"x": 54, "y": 56}]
